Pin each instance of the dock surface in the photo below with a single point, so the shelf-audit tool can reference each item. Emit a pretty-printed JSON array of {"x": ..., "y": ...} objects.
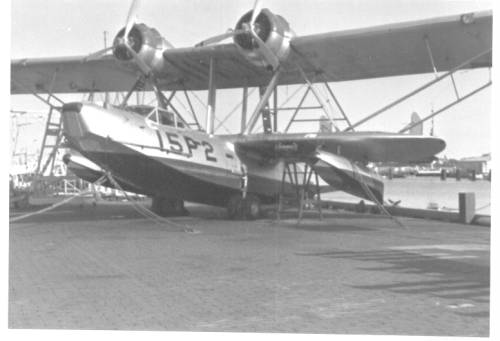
[{"x": 107, "y": 267}]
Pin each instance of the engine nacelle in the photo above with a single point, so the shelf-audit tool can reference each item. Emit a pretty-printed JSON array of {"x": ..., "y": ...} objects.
[
  {"x": 146, "y": 42},
  {"x": 274, "y": 31}
]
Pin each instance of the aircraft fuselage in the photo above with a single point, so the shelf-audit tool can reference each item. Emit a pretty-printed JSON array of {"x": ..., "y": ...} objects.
[{"x": 153, "y": 159}]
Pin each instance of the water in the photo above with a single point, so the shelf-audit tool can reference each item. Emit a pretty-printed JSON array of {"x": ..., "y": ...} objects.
[{"x": 420, "y": 192}]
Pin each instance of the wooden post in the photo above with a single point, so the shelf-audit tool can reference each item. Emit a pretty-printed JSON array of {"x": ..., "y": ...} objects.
[{"x": 467, "y": 207}]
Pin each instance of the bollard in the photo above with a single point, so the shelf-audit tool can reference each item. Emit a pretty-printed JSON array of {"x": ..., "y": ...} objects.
[
  {"x": 458, "y": 174},
  {"x": 467, "y": 207},
  {"x": 443, "y": 174}
]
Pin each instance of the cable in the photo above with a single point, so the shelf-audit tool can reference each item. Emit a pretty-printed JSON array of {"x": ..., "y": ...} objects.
[
  {"x": 372, "y": 196},
  {"x": 60, "y": 203},
  {"x": 140, "y": 209},
  {"x": 483, "y": 207},
  {"x": 148, "y": 213}
]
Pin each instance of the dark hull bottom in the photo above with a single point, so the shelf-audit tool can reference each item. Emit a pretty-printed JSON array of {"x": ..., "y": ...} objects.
[
  {"x": 138, "y": 173},
  {"x": 150, "y": 177}
]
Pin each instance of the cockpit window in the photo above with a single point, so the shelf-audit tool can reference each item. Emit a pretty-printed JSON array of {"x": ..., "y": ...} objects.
[
  {"x": 143, "y": 110},
  {"x": 165, "y": 117}
]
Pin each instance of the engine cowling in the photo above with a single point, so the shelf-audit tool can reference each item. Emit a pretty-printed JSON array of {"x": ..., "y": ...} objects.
[
  {"x": 274, "y": 31},
  {"x": 146, "y": 42}
]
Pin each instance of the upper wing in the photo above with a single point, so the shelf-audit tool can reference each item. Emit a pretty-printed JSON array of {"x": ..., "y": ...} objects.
[
  {"x": 399, "y": 49},
  {"x": 70, "y": 75},
  {"x": 365, "y": 147},
  {"x": 390, "y": 50}
]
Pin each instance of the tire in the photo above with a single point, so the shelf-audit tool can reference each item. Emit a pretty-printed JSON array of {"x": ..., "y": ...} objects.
[
  {"x": 234, "y": 207},
  {"x": 178, "y": 208},
  {"x": 167, "y": 207},
  {"x": 251, "y": 208}
]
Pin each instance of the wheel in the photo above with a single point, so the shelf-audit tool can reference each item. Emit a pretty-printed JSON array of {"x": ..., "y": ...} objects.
[
  {"x": 251, "y": 207},
  {"x": 234, "y": 207},
  {"x": 177, "y": 206},
  {"x": 168, "y": 207}
]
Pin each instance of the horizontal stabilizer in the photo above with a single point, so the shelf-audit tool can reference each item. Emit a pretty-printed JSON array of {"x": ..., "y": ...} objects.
[{"x": 344, "y": 175}]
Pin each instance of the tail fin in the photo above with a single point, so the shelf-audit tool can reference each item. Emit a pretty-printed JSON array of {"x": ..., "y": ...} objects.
[{"x": 419, "y": 128}]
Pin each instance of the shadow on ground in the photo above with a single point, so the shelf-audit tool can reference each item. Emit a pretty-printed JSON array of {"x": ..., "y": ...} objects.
[{"x": 461, "y": 279}]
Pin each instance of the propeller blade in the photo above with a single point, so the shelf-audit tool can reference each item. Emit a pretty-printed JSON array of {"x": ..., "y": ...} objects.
[
  {"x": 98, "y": 54},
  {"x": 257, "y": 8},
  {"x": 131, "y": 18},
  {"x": 220, "y": 37},
  {"x": 269, "y": 55},
  {"x": 140, "y": 63}
]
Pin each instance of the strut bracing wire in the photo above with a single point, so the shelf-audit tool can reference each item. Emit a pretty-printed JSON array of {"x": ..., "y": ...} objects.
[
  {"x": 60, "y": 203},
  {"x": 148, "y": 213},
  {"x": 373, "y": 198}
]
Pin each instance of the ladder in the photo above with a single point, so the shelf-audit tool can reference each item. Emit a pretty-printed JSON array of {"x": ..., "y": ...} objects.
[{"x": 50, "y": 143}]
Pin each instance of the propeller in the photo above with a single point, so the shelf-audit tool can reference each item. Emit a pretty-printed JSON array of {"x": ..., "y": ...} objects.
[
  {"x": 140, "y": 63},
  {"x": 125, "y": 40},
  {"x": 247, "y": 28},
  {"x": 129, "y": 24},
  {"x": 257, "y": 8},
  {"x": 269, "y": 55},
  {"x": 131, "y": 18}
]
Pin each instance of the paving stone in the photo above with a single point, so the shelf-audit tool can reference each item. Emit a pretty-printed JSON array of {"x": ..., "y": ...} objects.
[{"x": 347, "y": 274}]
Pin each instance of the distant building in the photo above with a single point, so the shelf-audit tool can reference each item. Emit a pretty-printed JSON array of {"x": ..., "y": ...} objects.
[{"x": 478, "y": 164}]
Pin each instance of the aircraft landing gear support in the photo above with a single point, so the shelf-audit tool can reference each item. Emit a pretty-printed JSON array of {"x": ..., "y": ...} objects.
[
  {"x": 168, "y": 207},
  {"x": 247, "y": 208}
]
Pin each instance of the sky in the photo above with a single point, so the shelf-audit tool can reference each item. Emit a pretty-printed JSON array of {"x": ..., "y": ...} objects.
[{"x": 49, "y": 28}]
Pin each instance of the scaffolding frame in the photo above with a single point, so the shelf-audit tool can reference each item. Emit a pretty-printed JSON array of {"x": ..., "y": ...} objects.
[{"x": 303, "y": 184}]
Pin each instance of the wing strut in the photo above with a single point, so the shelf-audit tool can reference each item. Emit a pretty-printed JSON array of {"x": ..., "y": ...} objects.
[
  {"x": 212, "y": 93},
  {"x": 446, "y": 107},
  {"x": 318, "y": 97},
  {"x": 193, "y": 113},
  {"x": 263, "y": 101},
  {"x": 418, "y": 90}
]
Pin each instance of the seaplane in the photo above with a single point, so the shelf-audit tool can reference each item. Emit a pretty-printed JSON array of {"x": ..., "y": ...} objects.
[{"x": 155, "y": 151}]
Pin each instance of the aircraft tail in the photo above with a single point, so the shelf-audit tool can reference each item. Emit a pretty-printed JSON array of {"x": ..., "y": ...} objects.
[{"x": 419, "y": 128}]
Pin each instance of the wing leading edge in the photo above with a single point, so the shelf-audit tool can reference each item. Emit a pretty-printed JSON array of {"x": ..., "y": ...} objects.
[
  {"x": 390, "y": 50},
  {"x": 356, "y": 146},
  {"x": 333, "y": 155}
]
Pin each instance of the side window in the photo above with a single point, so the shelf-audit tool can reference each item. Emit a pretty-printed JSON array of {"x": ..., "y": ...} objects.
[{"x": 167, "y": 118}]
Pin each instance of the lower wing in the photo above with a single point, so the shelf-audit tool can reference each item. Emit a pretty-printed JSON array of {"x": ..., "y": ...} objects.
[{"x": 338, "y": 157}]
